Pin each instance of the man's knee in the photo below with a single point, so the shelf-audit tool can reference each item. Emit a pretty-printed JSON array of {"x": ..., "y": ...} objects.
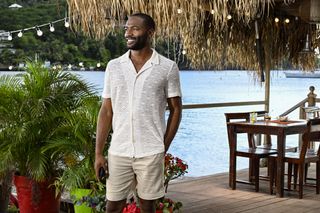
[{"x": 115, "y": 206}]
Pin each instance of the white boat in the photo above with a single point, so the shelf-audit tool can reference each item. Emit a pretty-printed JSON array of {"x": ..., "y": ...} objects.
[{"x": 302, "y": 74}]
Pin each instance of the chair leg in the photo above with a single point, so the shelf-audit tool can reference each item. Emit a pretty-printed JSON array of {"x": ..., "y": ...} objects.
[
  {"x": 301, "y": 180},
  {"x": 289, "y": 175},
  {"x": 306, "y": 172},
  {"x": 271, "y": 168},
  {"x": 318, "y": 177},
  {"x": 251, "y": 170},
  {"x": 256, "y": 172},
  {"x": 295, "y": 176}
]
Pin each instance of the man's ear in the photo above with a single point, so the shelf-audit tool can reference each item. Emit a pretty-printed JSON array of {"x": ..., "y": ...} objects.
[{"x": 151, "y": 33}]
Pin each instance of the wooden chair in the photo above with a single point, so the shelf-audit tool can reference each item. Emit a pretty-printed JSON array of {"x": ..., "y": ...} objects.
[
  {"x": 252, "y": 152},
  {"x": 300, "y": 159}
]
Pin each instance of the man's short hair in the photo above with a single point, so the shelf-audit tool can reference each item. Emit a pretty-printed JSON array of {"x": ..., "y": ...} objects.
[{"x": 148, "y": 20}]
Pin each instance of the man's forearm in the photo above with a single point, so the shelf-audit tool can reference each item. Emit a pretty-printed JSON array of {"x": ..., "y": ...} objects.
[{"x": 175, "y": 108}]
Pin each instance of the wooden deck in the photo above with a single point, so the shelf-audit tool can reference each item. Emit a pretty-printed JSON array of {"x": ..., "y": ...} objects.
[{"x": 212, "y": 194}]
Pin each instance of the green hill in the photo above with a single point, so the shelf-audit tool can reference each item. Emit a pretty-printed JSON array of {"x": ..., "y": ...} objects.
[{"x": 61, "y": 46}]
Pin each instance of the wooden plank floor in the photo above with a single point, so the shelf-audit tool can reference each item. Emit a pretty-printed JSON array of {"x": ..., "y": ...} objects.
[{"x": 211, "y": 194}]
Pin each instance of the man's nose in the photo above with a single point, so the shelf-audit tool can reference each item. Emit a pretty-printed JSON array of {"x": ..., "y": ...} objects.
[{"x": 128, "y": 32}]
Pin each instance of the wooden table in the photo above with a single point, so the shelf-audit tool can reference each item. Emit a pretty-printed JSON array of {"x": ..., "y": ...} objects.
[{"x": 280, "y": 129}]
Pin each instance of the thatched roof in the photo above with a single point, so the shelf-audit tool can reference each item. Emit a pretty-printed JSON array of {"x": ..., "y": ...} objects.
[{"x": 215, "y": 33}]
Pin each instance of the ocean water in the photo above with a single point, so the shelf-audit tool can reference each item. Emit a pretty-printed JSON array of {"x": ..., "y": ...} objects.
[{"x": 201, "y": 140}]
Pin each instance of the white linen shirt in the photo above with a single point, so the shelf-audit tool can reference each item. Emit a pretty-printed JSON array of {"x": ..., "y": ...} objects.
[{"x": 139, "y": 101}]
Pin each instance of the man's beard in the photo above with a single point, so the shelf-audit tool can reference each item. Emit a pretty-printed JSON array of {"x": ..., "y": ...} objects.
[{"x": 140, "y": 42}]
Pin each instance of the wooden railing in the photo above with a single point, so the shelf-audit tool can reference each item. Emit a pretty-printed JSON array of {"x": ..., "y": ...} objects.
[
  {"x": 227, "y": 104},
  {"x": 311, "y": 100}
]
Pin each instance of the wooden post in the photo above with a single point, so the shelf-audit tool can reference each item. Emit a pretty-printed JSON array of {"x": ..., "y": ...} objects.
[
  {"x": 267, "y": 79},
  {"x": 267, "y": 53},
  {"x": 311, "y": 97}
]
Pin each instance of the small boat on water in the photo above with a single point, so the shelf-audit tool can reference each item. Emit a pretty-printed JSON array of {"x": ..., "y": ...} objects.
[{"x": 315, "y": 74}]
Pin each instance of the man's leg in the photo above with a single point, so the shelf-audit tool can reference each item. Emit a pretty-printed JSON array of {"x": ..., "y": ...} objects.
[
  {"x": 147, "y": 206},
  {"x": 119, "y": 182},
  {"x": 150, "y": 180},
  {"x": 115, "y": 206}
]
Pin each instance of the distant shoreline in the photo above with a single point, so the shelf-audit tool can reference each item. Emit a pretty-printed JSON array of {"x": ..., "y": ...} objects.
[{"x": 21, "y": 70}]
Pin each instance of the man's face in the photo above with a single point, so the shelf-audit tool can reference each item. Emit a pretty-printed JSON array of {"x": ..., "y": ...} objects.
[{"x": 136, "y": 33}]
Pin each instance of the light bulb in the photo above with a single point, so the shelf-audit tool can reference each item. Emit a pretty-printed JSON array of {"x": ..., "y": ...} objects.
[
  {"x": 98, "y": 64},
  {"x": 9, "y": 37},
  {"x": 179, "y": 10},
  {"x": 81, "y": 64},
  {"x": 229, "y": 17},
  {"x": 287, "y": 21},
  {"x": 51, "y": 27},
  {"x": 276, "y": 19},
  {"x": 20, "y": 34},
  {"x": 39, "y": 32},
  {"x": 184, "y": 52},
  {"x": 66, "y": 23},
  {"x": 10, "y": 67},
  {"x": 212, "y": 12}
]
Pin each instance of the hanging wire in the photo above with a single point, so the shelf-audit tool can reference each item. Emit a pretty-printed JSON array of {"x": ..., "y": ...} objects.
[{"x": 36, "y": 27}]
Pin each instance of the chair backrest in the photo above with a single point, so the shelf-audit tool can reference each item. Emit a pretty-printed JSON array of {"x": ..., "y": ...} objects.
[
  {"x": 311, "y": 136},
  {"x": 243, "y": 116}
]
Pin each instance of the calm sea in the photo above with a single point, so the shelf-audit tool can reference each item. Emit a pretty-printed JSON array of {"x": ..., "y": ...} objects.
[{"x": 202, "y": 139}]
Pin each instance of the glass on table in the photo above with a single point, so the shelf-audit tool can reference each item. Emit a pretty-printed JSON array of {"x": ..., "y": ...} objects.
[
  {"x": 267, "y": 117},
  {"x": 253, "y": 117}
]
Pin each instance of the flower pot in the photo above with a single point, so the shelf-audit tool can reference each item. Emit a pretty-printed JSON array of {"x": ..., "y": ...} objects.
[
  {"x": 77, "y": 194},
  {"x": 36, "y": 197}
]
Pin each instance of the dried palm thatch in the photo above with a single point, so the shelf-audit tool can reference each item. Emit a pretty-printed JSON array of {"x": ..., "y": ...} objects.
[{"x": 214, "y": 33}]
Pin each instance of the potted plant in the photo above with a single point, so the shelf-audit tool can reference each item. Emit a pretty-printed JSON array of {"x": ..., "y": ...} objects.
[
  {"x": 39, "y": 99},
  {"x": 76, "y": 148}
]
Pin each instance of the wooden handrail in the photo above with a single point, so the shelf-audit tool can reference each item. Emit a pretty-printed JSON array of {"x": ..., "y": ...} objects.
[
  {"x": 298, "y": 105},
  {"x": 227, "y": 104}
]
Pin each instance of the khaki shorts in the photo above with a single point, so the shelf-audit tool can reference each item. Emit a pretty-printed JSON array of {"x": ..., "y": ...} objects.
[{"x": 145, "y": 174}]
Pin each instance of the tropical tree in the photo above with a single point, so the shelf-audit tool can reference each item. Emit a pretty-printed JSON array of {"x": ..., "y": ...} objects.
[{"x": 32, "y": 108}]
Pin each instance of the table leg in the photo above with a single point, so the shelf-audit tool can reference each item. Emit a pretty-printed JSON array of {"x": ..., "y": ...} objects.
[
  {"x": 233, "y": 159},
  {"x": 280, "y": 164}
]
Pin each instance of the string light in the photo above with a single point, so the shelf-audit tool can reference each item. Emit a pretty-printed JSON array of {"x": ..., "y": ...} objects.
[
  {"x": 20, "y": 34},
  {"x": 10, "y": 67},
  {"x": 9, "y": 37},
  {"x": 287, "y": 21},
  {"x": 179, "y": 10},
  {"x": 39, "y": 32},
  {"x": 51, "y": 28},
  {"x": 98, "y": 64},
  {"x": 276, "y": 19},
  {"x": 184, "y": 52},
  {"x": 212, "y": 12},
  {"x": 229, "y": 17},
  {"x": 66, "y": 23}
]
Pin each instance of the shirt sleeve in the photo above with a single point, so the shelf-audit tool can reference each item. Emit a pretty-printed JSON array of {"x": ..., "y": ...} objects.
[
  {"x": 106, "y": 93},
  {"x": 173, "y": 82}
]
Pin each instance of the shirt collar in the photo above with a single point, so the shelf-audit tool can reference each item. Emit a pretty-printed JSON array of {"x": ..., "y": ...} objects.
[{"x": 153, "y": 60}]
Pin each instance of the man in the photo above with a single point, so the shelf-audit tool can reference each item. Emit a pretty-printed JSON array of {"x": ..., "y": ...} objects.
[{"x": 138, "y": 86}]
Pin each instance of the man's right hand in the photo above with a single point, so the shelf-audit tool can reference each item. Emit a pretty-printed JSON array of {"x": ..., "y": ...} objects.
[{"x": 100, "y": 161}]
